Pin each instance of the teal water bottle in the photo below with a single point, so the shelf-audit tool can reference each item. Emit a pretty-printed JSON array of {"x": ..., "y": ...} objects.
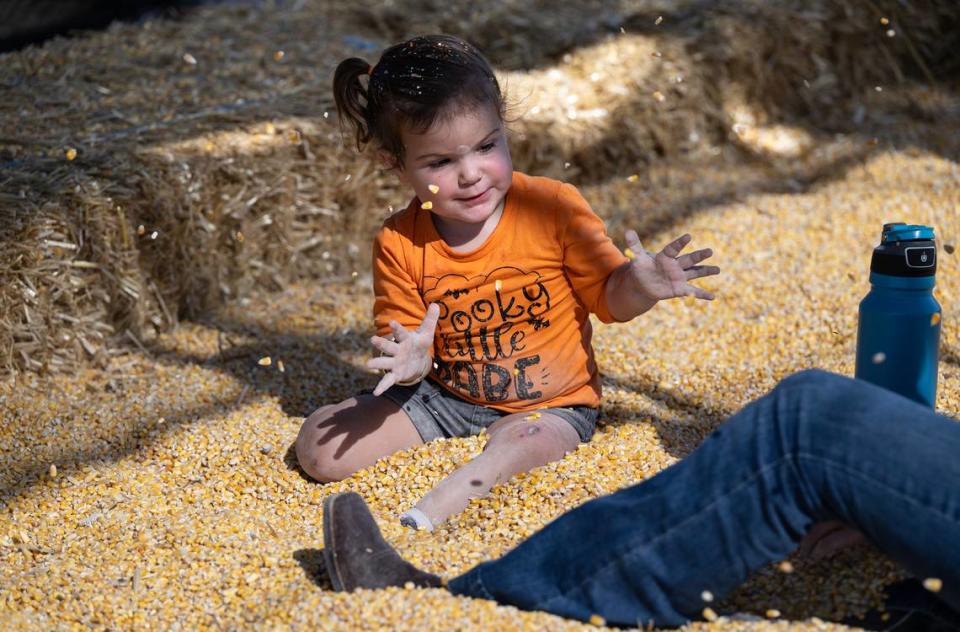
[{"x": 898, "y": 337}]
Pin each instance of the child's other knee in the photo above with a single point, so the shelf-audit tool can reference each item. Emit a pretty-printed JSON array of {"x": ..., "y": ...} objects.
[{"x": 315, "y": 455}]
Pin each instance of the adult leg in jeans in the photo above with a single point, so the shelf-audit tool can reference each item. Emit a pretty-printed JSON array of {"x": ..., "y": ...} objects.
[{"x": 819, "y": 447}]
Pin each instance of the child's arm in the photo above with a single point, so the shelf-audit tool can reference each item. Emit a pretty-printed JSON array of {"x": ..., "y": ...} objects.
[{"x": 637, "y": 285}]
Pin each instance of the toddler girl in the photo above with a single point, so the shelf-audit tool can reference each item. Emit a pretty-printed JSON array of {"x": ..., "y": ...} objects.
[{"x": 483, "y": 285}]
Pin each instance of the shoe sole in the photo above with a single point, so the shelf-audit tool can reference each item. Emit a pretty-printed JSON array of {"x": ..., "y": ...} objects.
[{"x": 328, "y": 539}]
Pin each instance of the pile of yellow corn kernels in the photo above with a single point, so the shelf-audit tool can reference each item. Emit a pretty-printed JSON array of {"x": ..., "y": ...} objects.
[{"x": 163, "y": 494}]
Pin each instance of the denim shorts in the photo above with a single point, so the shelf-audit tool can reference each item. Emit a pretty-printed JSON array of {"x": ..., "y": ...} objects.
[{"x": 437, "y": 413}]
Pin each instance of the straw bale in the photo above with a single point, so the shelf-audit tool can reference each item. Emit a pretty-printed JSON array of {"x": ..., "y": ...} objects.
[{"x": 217, "y": 136}]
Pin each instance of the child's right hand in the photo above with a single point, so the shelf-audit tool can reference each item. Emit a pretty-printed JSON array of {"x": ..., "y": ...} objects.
[{"x": 406, "y": 359}]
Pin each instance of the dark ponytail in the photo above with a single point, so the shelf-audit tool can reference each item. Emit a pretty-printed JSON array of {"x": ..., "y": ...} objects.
[
  {"x": 414, "y": 84},
  {"x": 347, "y": 91}
]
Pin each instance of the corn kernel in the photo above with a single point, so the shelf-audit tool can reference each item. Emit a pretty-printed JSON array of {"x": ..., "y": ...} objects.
[{"x": 933, "y": 584}]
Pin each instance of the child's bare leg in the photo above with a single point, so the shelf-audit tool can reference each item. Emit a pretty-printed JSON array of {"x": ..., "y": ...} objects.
[
  {"x": 339, "y": 439},
  {"x": 515, "y": 445}
]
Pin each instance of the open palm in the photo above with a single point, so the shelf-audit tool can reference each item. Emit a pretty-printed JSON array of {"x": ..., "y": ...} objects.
[
  {"x": 407, "y": 357},
  {"x": 667, "y": 274}
]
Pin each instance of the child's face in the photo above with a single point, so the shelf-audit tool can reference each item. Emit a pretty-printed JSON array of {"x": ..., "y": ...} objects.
[{"x": 465, "y": 159}]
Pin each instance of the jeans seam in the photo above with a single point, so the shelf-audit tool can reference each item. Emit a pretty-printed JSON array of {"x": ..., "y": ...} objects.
[
  {"x": 869, "y": 479},
  {"x": 545, "y": 605}
]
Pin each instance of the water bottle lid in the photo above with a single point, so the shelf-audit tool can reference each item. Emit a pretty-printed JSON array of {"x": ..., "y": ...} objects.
[
  {"x": 906, "y": 232},
  {"x": 905, "y": 250}
]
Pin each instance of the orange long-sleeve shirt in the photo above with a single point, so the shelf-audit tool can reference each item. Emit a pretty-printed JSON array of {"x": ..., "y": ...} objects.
[{"x": 514, "y": 330}]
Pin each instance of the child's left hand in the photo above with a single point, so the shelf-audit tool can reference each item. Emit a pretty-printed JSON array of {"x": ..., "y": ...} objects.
[{"x": 667, "y": 274}]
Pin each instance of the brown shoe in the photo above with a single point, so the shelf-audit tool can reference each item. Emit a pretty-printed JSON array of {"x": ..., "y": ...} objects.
[{"x": 355, "y": 553}]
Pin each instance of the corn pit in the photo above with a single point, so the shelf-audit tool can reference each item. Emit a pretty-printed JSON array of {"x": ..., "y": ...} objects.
[{"x": 160, "y": 490}]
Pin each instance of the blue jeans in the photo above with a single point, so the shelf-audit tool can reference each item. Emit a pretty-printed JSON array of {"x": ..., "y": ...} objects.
[{"x": 818, "y": 447}]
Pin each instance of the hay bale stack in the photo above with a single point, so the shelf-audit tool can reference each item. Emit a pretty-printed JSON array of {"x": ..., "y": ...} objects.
[{"x": 152, "y": 172}]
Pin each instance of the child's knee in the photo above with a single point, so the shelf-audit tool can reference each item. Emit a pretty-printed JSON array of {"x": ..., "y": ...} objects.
[
  {"x": 550, "y": 438},
  {"x": 317, "y": 457}
]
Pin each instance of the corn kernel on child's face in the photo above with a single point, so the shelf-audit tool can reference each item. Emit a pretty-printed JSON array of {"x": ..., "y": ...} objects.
[{"x": 461, "y": 165}]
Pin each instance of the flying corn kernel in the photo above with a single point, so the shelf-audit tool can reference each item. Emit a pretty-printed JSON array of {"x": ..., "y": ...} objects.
[
  {"x": 141, "y": 230},
  {"x": 891, "y": 33},
  {"x": 265, "y": 361},
  {"x": 71, "y": 153},
  {"x": 154, "y": 234},
  {"x": 658, "y": 21},
  {"x": 190, "y": 59},
  {"x": 278, "y": 55},
  {"x": 884, "y": 21},
  {"x": 52, "y": 471},
  {"x": 933, "y": 584},
  {"x": 709, "y": 614},
  {"x": 596, "y": 619},
  {"x": 427, "y": 205},
  {"x": 772, "y": 613},
  {"x": 498, "y": 284},
  {"x": 707, "y": 596},
  {"x": 280, "y": 366},
  {"x": 629, "y": 253},
  {"x": 532, "y": 416},
  {"x": 433, "y": 189},
  {"x": 879, "y": 357},
  {"x": 785, "y": 567},
  {"x": 935, "y": 319},
  {"x": 659, "y": 96},
  {"x": 633, "y": 178},
  {"x": 239, "y": 236}
]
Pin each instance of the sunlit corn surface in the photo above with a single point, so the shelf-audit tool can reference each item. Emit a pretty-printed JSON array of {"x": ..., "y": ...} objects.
[{"x": 161, "y": 492}]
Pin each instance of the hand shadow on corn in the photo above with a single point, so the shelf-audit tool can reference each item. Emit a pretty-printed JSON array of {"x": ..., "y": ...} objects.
[{"x": 679, "y": 433}]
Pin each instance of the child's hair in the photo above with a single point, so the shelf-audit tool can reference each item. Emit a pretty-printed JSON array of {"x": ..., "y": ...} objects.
[{"x": 415, "y": 83}]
